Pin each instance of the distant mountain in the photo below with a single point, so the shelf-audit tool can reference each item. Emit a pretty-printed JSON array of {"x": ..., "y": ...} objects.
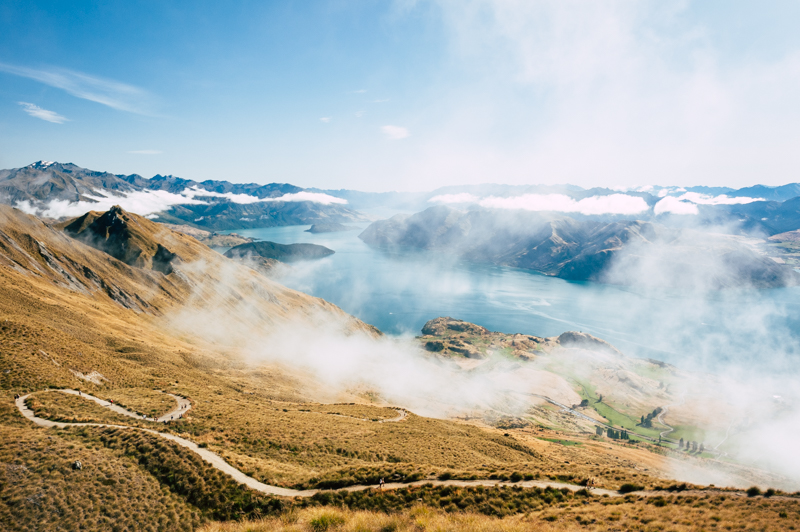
[
  {"x": 626, "y": 252},
  {"x": 781, "y": 193},
  {"x": 45, "y": 181},
  {"x": 54, "y": 190}
]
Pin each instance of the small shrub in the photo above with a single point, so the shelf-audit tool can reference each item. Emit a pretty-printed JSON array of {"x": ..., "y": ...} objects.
[
  {"x": 447, "y": 475},
  {"x": 629, "y": 488},
  {"x": 515, "y": 476},
  {"x": 753, "y": 491}
]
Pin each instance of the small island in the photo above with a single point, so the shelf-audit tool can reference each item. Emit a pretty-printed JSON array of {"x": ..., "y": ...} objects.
[
  {"x": 279, "y": 252},
  {"x": 329, "y": 228}
]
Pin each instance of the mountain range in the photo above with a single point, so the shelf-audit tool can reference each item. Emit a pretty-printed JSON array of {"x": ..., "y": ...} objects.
[
  {"x": 622, "y": 252},
  {"x": 56, "y": 190}
]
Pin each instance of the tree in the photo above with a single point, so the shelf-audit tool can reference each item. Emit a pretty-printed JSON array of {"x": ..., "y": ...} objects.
[
  {"x": 642, "y": 420},
  {"x": 680, "y": 444},
  {"x": 702, "y": 448},
  {"x": 598, "y": 430}
]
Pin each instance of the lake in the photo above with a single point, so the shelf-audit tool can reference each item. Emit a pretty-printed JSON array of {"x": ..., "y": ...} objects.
[{"x": 398, "y": 293}]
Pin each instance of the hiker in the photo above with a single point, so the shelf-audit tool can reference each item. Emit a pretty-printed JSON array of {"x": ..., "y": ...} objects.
[{"x": 381, "y": 483}]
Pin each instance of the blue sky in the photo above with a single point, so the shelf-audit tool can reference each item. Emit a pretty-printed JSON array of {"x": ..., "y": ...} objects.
[{"x": 406, "y": 95}]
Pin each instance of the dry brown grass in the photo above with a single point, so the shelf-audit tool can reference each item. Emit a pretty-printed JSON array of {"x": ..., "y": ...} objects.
[
  {"x": 40, "y": 490},
  {"x": 674, "y": 513}
]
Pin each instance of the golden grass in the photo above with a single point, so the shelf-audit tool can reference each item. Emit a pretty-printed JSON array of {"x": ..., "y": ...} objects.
[
  {"x": 674, "y": 513},
  {"x": 40, "y": 490}
]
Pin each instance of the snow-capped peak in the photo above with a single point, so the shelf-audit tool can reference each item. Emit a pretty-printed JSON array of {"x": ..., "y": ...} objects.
[{"x": 41, "y": 164}]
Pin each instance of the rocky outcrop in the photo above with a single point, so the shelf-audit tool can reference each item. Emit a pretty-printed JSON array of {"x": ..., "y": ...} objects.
[
  {"x": 581, "y": 340},
  {"x": 123, "y": 237},
  {"x": 279, "y": 252},
  {"x": 329, "y": 228},
  {"x": 445, "y": 325}
]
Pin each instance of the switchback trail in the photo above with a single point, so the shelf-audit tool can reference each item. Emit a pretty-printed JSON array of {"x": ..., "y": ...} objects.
[{"x": 217, "y": 462}]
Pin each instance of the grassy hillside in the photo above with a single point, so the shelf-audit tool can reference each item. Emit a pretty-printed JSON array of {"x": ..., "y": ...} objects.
[{"x": 72, "y": 316}]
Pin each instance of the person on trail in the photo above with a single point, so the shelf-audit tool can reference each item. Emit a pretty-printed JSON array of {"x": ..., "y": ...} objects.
[{"x": 381, "y": 483}]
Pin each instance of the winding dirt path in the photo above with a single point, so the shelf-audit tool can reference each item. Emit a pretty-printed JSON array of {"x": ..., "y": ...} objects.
[{"x": 217, "y": 462}]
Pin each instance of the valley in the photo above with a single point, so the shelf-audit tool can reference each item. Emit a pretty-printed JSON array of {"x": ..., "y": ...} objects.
[{"x": 109, "y": 318}]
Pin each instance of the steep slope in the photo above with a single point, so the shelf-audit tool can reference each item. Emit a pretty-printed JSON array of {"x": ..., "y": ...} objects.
[
  {"x": 123, "y": 237},
  {"x": 629, "y": 252}
]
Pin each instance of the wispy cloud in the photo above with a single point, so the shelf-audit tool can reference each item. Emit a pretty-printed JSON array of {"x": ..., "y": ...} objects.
[
  {"x": 396, "y": 132},
  {"x": 114, "y": 94},
  {"x": 359, "y": 91},
  {"x": 146, "y": 152},
  {"x": 384, "y": 100},
  {"x": 44, "y": 114},
  {"x": 326, "y": 119},
  {"x": 359, "y": 114}
]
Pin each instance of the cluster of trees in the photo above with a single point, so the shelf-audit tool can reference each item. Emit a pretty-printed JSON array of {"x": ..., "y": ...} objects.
[
  {"x": 613, "y": 434},
  {"x": 691, "y": 446},
  {"x": 647, "y": 421}
]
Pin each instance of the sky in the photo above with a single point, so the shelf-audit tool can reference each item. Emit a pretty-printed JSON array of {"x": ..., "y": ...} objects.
[{"x": 381, "y": 95}]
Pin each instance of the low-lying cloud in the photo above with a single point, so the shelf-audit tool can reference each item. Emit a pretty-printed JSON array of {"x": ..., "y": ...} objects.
[
  {"x": 140, "y": 202},
  {"x": 149, "y": 202},
  {"x": 611, "y": 204},
  {"x": 687, "y": 203},
  {"x": 463, "y": 197},
  {"x": 594, "y": 205}
]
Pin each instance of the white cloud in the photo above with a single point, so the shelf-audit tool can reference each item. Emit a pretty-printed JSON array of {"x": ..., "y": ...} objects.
[
  {"x": 246, "y": 199},
  {"x": 44, "y": 114},
  {"x": 463, "y": 197},
  {"x": 359, "y": 114},
  {"x": 396, "y": 132},
  {"x": 687, "y": 203},
  {"x": 326, "y": 119},
  {"x": 606, "y": 92},
  {"x": 316, "y": 197},
  {"x": 674, "y": 205},
  {"x": 146, "y": 152},
  {"x": 114, "y": 94},
  {"x": 703, "y": 199},
  {"x": 611, "y": 204},
  {"x": 139, "y": 202},
  {"x": 360, "y": 91}
]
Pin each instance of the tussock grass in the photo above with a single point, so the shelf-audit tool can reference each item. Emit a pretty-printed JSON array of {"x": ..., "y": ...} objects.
[
  {"x": 40, "y": 489},
  {"x": 710, "y": 512}
]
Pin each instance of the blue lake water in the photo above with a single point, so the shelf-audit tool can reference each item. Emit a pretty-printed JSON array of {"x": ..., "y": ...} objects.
[{"x": 399, "y": 293}]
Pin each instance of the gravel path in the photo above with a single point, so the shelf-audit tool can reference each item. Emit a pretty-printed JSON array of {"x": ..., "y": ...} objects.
[{"x": 216, "y": 461}]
